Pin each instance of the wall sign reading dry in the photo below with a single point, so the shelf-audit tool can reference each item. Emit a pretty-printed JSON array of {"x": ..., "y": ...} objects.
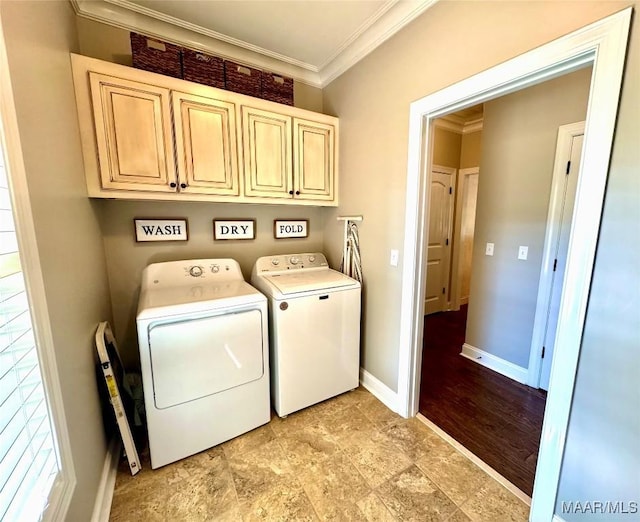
[
  {"x": 290, "y": 228},
  {"x": 154, "y": 229},
  {"x": 234, "y": 229}
]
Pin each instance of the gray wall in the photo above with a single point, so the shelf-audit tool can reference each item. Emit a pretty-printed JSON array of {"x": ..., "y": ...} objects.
[
  {"x": 39, "y": 36},
  {"x": 126, "y": 259},
  {"x": 602, "y": 456},
  {"x": 516, "y": 165},
  {"x": 372, "y": 100}
]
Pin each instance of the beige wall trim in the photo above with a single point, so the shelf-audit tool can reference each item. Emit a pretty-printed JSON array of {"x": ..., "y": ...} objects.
[
  {"x": 380, "y": 390},
  {"x": 488, "y": 360},
  {"x": 476, "y": 460},
  {"x": 104, "y": 497},
  {"x": 390, "y": 19},
  {"x": 452, "y": 124},
  {"x": 63, "y": 488}
]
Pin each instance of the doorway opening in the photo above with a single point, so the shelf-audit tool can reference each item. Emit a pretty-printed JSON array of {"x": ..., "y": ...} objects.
[{"x": 602, "y": 44}]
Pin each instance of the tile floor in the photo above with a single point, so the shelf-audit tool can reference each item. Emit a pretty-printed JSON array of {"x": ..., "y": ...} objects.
[{"x": 349, "y": 458}]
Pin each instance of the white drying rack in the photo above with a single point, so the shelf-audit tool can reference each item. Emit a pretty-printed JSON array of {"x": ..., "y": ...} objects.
[{"x": 345, "y": 245}]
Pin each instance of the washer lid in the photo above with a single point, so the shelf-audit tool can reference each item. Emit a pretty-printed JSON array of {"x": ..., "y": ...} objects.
[
  {"x": 309, "y": 281},
  {"x": 182, "y": 299}
]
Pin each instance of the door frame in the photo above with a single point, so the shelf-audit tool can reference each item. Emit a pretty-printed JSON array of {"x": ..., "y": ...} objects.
[
  {"x": 463, "y": 179},
  {"x": 453, "y": 172},
  {"x": 566, "y": 133},
  {"x": 603, "y": 45}
]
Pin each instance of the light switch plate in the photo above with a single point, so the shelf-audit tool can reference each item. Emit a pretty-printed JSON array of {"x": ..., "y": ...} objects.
[
  {"x": 394, "y": 258},
  {"x": 489, "y": 250},
  {"x": 523, "y": 253}
]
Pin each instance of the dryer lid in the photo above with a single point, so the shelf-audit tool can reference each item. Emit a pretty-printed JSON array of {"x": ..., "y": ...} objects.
[
  {"x": 302, "y": 281},
  {"x": 195, "y": 297}
]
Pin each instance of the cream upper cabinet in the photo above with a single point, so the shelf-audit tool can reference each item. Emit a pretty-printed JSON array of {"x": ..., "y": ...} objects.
[
  {"x": 313, "y": 159},
  {"x": 267, "y": 153},
  {"x": 206, "y": 145},
  {"x": 133, "y": 133},
  {"x": 154, "y": 137}
]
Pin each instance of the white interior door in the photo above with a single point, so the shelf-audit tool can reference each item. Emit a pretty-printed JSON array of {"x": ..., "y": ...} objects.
[
  {"x": 439, "y": 245},
  {"x": 560, "y": 258}
]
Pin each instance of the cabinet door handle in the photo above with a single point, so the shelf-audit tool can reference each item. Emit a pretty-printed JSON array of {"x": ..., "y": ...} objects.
[
  {"x": 297, "y": 192},
  {"x": 183, "y": 185},
  {"x": 172, "y": 185},
  {"x": 291, "y": 192}
]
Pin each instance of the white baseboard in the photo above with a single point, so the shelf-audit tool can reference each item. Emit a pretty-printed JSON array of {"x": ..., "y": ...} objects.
[
  {"x": 380, "y": 390},
  {"x": 102, "y": 507},
  {"x": 506, "y": 368},
  {"x": 477, "y": 461}
]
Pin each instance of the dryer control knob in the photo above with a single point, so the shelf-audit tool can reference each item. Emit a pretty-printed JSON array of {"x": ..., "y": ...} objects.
[
  {"x": 312, "y": 259},
  {"x": 215, "y": 269},
  {"x": 195, "y": 271},
  {"x": 294, "y": 260},
  {"x": 275, "y": 262}
]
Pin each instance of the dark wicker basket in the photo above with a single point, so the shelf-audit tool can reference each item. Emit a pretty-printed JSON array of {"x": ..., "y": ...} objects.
[
  {"x": 277, "y": 88},
  {"x": 242, "y": 79},
  {"x": 156, "y": 56},
  {"x": 203, "y": 68}
]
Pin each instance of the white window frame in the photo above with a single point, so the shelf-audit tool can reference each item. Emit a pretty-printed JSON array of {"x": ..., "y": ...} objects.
[
  {"x": 603, "y": 45},
  {"x": 64, "y": 485}
]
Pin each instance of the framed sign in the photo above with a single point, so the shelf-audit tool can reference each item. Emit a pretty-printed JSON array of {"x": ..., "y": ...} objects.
[
  {"x": 158, "y": 229},
  {"x": 290, "y": 228},
  {"x": 234, "y": 229}
]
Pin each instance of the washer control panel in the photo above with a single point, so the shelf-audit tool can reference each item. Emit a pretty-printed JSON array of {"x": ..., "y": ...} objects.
[
  {"x": 205, "y": 270},
  {"x": 288, "y": 262}
]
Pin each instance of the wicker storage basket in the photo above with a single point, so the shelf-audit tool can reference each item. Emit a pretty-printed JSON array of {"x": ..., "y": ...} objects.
[
  {"x": 277, "y": 88},
  {"x": 242, "y": 79},
  {"x": 203, "y": 68},
  {"x": 156, "y": 56}
]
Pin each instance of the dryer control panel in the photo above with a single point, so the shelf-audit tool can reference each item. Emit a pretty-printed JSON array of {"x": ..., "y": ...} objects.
[
  {"x": 284, "y": 263},
  {"x": 173, "y": 273}
]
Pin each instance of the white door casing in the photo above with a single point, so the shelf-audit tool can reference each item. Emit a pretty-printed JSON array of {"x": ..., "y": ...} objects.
[
  {"x": 443, "y": 181},
  {"x": 464, "y": 227},
  {"x": 603, "y": 45},
  {"x": 561, "y": 204}
]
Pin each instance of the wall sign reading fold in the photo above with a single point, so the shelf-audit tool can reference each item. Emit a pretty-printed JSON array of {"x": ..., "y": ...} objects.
[
  {"x": 234, "y": 229},
  {"x": 157, "y": 229},
  {"x": 290, "y": 228}
]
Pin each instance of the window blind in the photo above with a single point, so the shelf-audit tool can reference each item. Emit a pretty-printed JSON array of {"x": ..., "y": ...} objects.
[{"x": 28, "y": 456}]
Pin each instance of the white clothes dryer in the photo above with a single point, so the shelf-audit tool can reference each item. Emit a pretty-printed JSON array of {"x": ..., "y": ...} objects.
[
  {"x": 314, "y": 328},
  {"x": 202, "y": 334}
]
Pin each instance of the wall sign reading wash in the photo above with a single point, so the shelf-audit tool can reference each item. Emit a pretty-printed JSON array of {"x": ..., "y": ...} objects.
[
  {"x": 161, "y": 230},
  {"x": 234, "y": 229},
  {"x": 290, "y": 228}
]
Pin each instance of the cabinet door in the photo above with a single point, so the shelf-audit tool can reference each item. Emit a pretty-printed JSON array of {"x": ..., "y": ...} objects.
[
  {"x": 267, "y": 153},
  {"x": 313, "y": 159},
  {"x": 206, "y": 145},
  {"x": 133, "y": 134}
]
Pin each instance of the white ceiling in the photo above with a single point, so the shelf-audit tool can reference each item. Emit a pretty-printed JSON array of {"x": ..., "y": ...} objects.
[{"x": 313, "y": 41}]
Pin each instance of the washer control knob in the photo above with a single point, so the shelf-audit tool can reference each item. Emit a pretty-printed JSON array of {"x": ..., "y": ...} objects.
[
  {"x": 312, "y": 259},
  {"x": 275, "y": 261},
  {"x": 195, "y": 271},
  {"x": 215, "y": 269},
  {"x": 294, "y": 260}
]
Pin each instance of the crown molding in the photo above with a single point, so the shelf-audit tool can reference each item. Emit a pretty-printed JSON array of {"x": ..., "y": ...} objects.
[
  {"x": 393, "y": 20},
  {"x": 454, "y": 123},
  {"x": 387, "y": 21}
]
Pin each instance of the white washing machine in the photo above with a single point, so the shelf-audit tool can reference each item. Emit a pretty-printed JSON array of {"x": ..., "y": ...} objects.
[
  {"x": 314, "y": 328},
  {"x": 202, "y": 333}
]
